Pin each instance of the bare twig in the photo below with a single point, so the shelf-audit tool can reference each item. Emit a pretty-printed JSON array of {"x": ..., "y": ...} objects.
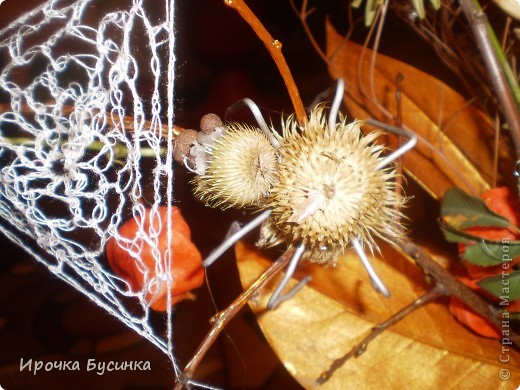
[
  {"x": 439, "y": 33},
  {"x": 496, "y": 151},
  {"x": 220, "y": 320},
  {"x": 382, "y": 11},
  {"x": 453, "y": 287},
  {"x": 303, "y": 13},
  {"x": 274, "y": 47},
  {"x": 478, "y": 22},
  {"x": 127, "y": 121},
  {"x": 445, "y": 285},
  {"x": 361, "y": 347},
  {"x": 399, "y": 123}
]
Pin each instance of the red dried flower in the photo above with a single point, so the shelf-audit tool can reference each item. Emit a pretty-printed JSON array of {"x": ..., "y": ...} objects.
[{"x": 186, "y": 268}]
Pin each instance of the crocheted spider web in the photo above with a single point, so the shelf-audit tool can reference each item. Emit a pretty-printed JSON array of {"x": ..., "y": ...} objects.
[{"x": 86, "y": 139}]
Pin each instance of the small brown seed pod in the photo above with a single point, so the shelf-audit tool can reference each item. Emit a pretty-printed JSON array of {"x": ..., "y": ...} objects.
[
  {"x": 183, "y": 143},
  {"x": 242, "y": 168},
  {"x": 209, "y": 122}
]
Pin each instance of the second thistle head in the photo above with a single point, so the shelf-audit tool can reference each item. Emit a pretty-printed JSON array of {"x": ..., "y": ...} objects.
[{"x": 240, "y": 167}]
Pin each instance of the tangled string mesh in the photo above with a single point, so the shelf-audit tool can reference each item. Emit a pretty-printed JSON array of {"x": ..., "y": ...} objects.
[{"x": 86, "y": 132}]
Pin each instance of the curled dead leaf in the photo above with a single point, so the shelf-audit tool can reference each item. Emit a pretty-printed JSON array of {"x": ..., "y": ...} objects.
[{"x": 455, "y": 145}]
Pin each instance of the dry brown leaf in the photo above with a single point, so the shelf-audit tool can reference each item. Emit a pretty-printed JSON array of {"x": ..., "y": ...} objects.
[
  {"x": 428, "y": 349},
  {"x": 454, "y": 136}
]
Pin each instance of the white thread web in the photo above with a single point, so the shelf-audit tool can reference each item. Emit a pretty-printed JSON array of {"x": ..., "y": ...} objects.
[{"x": 86, "y": 89}]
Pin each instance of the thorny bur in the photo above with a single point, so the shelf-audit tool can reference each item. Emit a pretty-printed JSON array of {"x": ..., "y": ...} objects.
[
  {"x": 320, "y": 187},
  {"x": 323, "y": 186}
]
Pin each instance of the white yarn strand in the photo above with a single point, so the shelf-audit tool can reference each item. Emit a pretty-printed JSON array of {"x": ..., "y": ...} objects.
[
  {"x": 170, "y": 12},
  {"x": 70, "y": 79}
]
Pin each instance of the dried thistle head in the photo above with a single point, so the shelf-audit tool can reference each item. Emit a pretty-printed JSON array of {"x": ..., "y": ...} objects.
[
  {"x": 325, "y": 188},
  {"x": 330, "y": 190},
  {"x": 241, "y": 170}
]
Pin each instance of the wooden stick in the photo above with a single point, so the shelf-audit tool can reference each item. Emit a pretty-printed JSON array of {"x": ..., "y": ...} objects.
[
  {"x": 361, "y": 347},
  {"x": 127, "y": 121},
  {"x": 454, "y": 287},
  {"x": 478, "y": 22},
  {"x": 220, "y": 320}
]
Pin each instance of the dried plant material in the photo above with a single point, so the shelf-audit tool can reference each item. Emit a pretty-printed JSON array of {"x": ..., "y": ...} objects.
[
  {"x": 428, "y": 349},
  {"x": 486, "y": 229},
  {"x": 209, "y": 122},
  {"x": 324, "y": 183},
  {"x": 135, "y": 262},
  {"x": 241, "y": 169},
  {"x": 183, "y": 144},
  {"x": 331, "y": 189},
  {"x": 454, "y": 137}
]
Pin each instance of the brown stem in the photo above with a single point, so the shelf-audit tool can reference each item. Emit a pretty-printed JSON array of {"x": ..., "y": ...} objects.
[
  {"x": 453, "y": 287},
  {"x": 302, "y": 15},
  {"x": 274, "y": 47},
  {"x": 361, "y": 347},
  {"x": 127, "y": 121},
  {"x": 399, "y": 123},
  {"x": 478, "y": 21},
  {"x": 496, "y": 151},
  {"x": 221, "y": 319}
]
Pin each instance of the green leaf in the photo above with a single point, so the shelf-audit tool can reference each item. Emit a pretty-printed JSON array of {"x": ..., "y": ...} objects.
[
  {"x": 465, "y": 211},
  {"x": 506, "y": 287},
  {"x": 481, "y": 251},
  {"x": 486, "y": 254},
  {"x": 452, "y": 235}
]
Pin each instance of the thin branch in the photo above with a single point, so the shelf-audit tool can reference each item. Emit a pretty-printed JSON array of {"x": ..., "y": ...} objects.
[
  {"x": 302, "y": 15},
  {"x": 361, "y": 347},
  {"x": 382, "y": 10},
  {"x": 274, "y": 47},
  {"x": 445, "y": 285},
  {"x": 399, "y": 123},
  {"x": 453, "y": 287},
  {"x": 478, "y": 22},
  {"x": 496, "y": 151},
  {"x": 127, "y": 121},
  {"x": 220, "y": 320}
]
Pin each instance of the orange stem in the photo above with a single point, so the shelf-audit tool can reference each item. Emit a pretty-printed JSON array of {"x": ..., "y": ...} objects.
[{"x": 274, "y": 47}]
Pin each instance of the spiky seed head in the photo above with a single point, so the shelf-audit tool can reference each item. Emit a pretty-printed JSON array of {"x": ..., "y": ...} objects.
[
  {"x": 241, "y": 169},
  {"x": 330, "y": 190}
]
